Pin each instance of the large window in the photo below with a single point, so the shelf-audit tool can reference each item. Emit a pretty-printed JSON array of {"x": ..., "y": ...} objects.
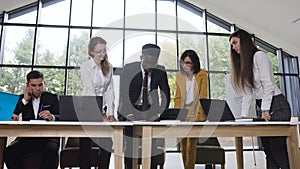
[{"x": 52, "y": 36}]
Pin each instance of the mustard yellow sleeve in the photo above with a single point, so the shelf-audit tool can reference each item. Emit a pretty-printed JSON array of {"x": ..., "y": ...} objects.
[
  {"x": 203, "y": 85},
  {"x": 177, "y": 98},
  {"x": 202, "y": 94}
]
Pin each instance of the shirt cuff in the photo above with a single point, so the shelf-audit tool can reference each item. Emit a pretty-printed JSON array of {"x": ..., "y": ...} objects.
[
  {"x": 53, "y": 117},
  {"x": 24, "y": 101},
  {"x": 244, "y": 113}
]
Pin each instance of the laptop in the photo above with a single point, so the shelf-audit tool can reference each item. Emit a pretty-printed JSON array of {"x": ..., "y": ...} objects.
[
  {"x": 217, "y": 110},
  {"x": 80, "y": 108},
  {"x": 174, "y": 114},
  {"x": 8, "y": 103}
]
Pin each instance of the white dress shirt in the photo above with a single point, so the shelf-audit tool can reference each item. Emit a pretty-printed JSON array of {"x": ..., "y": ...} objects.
[
  {"x": 190, "y": 84},
  {"x": 96, "y": 84},
  {"x": 265, "y": 86},
  {"x": 35, "y": 105}
]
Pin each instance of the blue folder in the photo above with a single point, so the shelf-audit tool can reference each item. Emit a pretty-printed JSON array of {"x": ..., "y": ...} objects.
[{"x": 8, "y": 104}]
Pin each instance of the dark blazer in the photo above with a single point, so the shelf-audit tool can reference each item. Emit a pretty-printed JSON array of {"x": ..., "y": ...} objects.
[
  {"x": 49, "y": 102},
  {"x": 131, "y": 85}
]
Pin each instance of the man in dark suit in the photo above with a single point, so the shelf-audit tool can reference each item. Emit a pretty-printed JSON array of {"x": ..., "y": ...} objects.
[
  {"x": 140, "y": 99},
  {"x": 34, "y": 104}
]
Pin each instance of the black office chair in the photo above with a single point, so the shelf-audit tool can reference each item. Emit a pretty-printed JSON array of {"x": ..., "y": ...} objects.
[
  {"x": 69, "y": 155},
  {"x": 209, "y": 152},
  {"x": 33, "y": 161}
]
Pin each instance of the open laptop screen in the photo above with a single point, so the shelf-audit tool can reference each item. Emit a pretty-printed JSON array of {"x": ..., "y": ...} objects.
[
  {"x": 174, "y": 114},
  {"x": 80, "y": 108},
  {"x": 217, "y": 110}
]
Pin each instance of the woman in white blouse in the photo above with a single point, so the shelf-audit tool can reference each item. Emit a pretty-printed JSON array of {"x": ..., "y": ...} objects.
[
  {"x": 253, "y": 76},
  {"x": 96, "y": 75}
]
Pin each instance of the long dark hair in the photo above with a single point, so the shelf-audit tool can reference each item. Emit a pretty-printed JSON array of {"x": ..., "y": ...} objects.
[
  {"x": 242, "y": 64},
  {"x": 105, "y": 65},
  {"x": 194, "y": 57}
]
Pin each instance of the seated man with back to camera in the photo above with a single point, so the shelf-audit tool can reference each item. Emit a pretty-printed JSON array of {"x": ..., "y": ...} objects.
[
  {"x": 139, "y": 99},
  {"x": 34, "y": 104}
]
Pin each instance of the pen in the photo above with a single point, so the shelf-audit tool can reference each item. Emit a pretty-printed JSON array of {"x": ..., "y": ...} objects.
[{"x": 41, "y": 109}]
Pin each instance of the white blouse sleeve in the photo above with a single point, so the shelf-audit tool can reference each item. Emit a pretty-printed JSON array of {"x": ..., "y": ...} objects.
[
  {"x": 109, "y": 95},
  {"x": 266, "y": 78}
]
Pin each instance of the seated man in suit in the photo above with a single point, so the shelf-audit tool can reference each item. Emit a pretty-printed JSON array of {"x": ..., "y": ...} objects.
[
  {"x": 139, "y": 97},
  {"x": 34, "y": 104}
]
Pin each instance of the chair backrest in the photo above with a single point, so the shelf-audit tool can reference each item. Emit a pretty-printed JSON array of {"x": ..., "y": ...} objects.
[{"x": 210, "y": 141}]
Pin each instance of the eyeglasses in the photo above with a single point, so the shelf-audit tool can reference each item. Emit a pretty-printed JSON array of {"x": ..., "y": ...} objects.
[
  {"x": 186, "y": 63},
  {"x": 102, "y": 51}
]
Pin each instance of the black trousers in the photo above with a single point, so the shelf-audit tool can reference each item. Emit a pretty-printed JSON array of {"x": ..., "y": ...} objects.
[
  {"x": 275, "y": 148},
  {"x": 19, "y": 148},
  {"x": 128, "y": 138},
  {"x": 85, "y": 144}
]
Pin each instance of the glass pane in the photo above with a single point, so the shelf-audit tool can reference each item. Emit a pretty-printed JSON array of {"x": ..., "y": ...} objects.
[
  {"x": 193, "y": 42},
  {"x": 114, "y": 39},
  {"x": 168, "y": 55},
  {"x": 103, "y": 8},
  {"x": 189, "y": 20},
  {"x": 290, "y": 64},
  {"x": 79, "y": 39},
  {"x": 292, "y": 88},
  {"x": 26, "y": 16},
  {"x": 74, "y": 82},
  {"x": 166, "y": 14},
  {"x": 172, "y": 84},
  {"x": 134, "y": 41},
  {"x": 218, "y": 53},
  {"x": 18, "y": 45},
  {"x": 13, "y": 80},
  {"x": 50, "y": 51},
  {"x": 54, "y": 79},
  {"x": 56, "y": 14},
  {"x": 277, "y": 80},
  {"x": 140, "y": 14},
  {"x": 217, "y": 86},
  {"x": 215, "y": 26},
  {"x": 81, "y": 13}
]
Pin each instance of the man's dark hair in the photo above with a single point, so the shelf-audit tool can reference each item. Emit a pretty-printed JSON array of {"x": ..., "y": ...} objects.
[
  {"x": 151, "y": 49},
  {"x": 34, "y": 75}
]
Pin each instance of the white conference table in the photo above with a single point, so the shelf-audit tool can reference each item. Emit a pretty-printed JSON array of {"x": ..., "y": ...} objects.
[
  {"x": 65, "y": 129},
  {"x": 149, "y": 130}
]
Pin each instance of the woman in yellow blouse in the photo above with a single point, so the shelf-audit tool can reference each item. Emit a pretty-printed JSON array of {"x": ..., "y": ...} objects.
[{"x": 191, "y": 85}]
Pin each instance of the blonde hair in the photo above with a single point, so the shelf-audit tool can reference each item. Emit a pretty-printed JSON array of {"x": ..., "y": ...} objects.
[{"x": 105, "y": 65}]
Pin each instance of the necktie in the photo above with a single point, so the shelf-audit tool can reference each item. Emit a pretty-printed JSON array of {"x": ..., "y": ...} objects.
[{"x": 145, "y": 92}]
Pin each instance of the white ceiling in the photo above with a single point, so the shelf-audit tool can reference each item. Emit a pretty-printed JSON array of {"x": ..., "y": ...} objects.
[{"x": 271, "y": 20}]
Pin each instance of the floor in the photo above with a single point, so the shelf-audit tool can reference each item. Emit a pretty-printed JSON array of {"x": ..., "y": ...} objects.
[{"x": 174, "y": 161}]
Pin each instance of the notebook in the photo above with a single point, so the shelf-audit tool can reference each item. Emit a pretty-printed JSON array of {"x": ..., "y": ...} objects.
[
  {"x": 8, "y": 104},
  {"x": 174, "y": 114},
  {"x": 217, "y": 110},
  {"x": 80, "y": 108}
]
